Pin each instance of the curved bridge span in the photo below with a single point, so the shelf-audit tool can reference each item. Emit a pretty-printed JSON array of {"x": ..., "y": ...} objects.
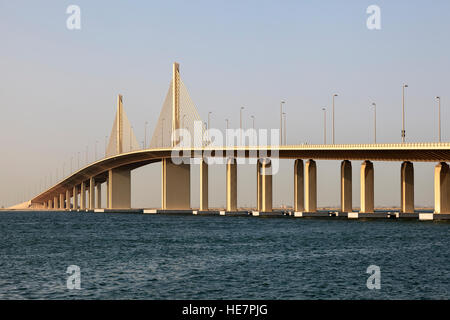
[
  {"x": 179, "y": 119},
  {"x": 100, "y": 171}
]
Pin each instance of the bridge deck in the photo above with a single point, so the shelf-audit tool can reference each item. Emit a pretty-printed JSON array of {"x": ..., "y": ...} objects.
[{"x": 422, "y": 152}]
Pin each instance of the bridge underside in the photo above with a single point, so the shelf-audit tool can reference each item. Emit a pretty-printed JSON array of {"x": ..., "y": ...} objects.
[{"x": 116, "y": 172}]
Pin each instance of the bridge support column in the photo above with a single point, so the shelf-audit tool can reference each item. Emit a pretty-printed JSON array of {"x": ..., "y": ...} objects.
[
  {"x": 407, "y": 187},
  {"x": 310, "y": 186},
  {"x": 367, "y": 187},
  {"x": 91, "y": 194},
  {"x": 55, "y": 202},
  {"x": 441, "y": 188},
  {"x": 98, "y": 196},
  {"x": 83, "y": 196},
  {"x": 119, "y": 189},
  {"x": 67, "y": 199},
  {"x": 299, "y": 202},
  {"x": 259, "y": 185},
  {"x": 176, "y": 185},
  {"x": 75, "y": 198},
  {"x": 50, "y": 204},
  {"x": 231, "y": 184},
  {"x": 266, "y": 187},
  {"x": 203, "y": 185},
  {"x": 346, "y": 186},
  {"x": 107, "y": 192},
  {"x": 61, "y": 201}
]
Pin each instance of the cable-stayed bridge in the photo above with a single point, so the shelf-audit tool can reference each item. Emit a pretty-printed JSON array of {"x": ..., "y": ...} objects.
[{"x": 180, "y": 136}]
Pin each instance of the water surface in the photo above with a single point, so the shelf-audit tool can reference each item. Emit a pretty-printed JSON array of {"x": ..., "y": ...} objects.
[{"x": 134, "y": 256}]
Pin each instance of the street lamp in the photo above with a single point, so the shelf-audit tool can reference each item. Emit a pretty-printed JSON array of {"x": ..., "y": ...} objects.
[
  {"x": 285, "y": 128},
  {"x": 439, "y": 117},
  {"x": 162, "y": 132},
  {"x": 131, "y": 131},
  {"x": 334, "y": 95},
  {"x": 253, "y": 126},
  {"x": 374, "y": 122},
  {"x": 106, "y": 148},
  {"x": 281, "y": 121},
  {"x": 403, "y": 113},
  {"x": 324, "y": 125},
  {"x": 240, "y": 121},
  {"x": 209, "y": 120},
  {"x": 145, "y": 134}
]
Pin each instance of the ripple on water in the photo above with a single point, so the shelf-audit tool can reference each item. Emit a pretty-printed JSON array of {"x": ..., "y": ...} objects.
[{"x": 184, "y": 257}]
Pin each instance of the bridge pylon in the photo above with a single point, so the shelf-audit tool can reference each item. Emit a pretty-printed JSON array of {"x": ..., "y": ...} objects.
[
  {"x": 178, "y": 112},
  {"x": 122, "y": 138}
]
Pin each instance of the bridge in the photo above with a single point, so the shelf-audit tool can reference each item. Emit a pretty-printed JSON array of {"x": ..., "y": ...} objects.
[{"x": 81, "y": 190}]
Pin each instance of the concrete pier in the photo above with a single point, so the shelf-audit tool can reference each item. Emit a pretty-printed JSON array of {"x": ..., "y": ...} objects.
[
  {"x": 441, "y": 188},
  {"x": 91, "y": 198},
  {"x": 203, "y": 185},
  {"x": 258, "y": 185},
  {"x": 107, "y": 192},
  {"x": 75, "y": 198},
  {"x": 176, "y": 185},
  {"x": 68, "y": 196},
  {"x": 407, "y": 187},
  {"x": 299, "y": 203},
  {"x": 346, "y": 186},
  {"x": 310, "y": 186},
  {"x": 55, "y": 202},
  {"x": 83, "y": 196},
  {"x": 119, "y": 189},
  {"x": 231, "y": 184},
  {"x": 62, "y": 201},
  {"x": 367, "y": 187},
  {"x": 98, "y": 196},
  {"x": 266, "y": 187}
]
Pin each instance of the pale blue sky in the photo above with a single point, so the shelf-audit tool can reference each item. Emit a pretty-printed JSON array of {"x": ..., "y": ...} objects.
[{"x": 58, "y": 87}]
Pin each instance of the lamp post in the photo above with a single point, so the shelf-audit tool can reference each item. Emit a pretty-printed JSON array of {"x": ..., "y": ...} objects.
[
  {"x": 439, "y": 117},
  {"x": 324, "y": 125},
  {"x": 403, "y": 113},
  {"x": 145, "y": 134},
  {"x": 253, "y": 126},
  {"x": 285, "y": 128},
  {"x": 162, "y": 132},
  {"x": 374, "y": 122},
  {"x": 209, "y": 120},
  {"x": 131, "y": 131},
  {"x": 240, "y": 122},
  {"x": 332, "y": 111},
  {"x": 281, "y": 121}
]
